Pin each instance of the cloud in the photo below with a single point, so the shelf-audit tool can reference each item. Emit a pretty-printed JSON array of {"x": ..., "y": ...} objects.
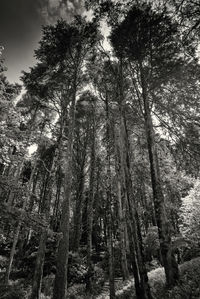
[{"x": 52, "y": 10}]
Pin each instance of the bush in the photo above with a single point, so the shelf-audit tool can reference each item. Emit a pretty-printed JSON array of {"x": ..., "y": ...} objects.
[
  {"x": 157, "y": 282},
  {"x": 12, "y": 292},
  {"x": 188, "y": 286},
  {"x": 98, "y": 279},
  {"x": 77, "y": 291},
  {"x": 190, "y": 253},
  {"x": 47, "y": 285},
  {"x": 77, "y": 270}
]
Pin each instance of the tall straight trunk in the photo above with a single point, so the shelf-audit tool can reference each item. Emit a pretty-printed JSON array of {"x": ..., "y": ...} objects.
[
  {"x": 38, "y": 273},
  {"x": 90, "y": 204},
  {"x": 168, "y": 258},
  {"x": 12, "y": 252},
  {"x": 57, "y": 200},
  {"x": 110, "y": 255},
  {"x": 109, "y": 201},
  {"x": 122, "y": 228},
  {"x": 60, "y": 284},
  {"x": 140, "y": 273},
  {"x": 37, "y": 280},
  {"x": 121, "y": 214},
  {"x": 78, "y": 213},
  {"x": 11, "y": 196},
  {"x": 17, "y": 231},
  {"x": 143, "y": 288},
  {"x": 81, "y": 142}
]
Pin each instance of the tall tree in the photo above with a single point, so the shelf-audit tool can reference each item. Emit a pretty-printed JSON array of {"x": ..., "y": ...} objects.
[{"x": 149, "y": 47}]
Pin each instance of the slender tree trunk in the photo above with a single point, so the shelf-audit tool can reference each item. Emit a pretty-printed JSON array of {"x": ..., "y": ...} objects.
[
  {"x": 38, "y": 273},
  {"x": 121, "y": 215},
  {"x": 122, "y": 224},
  {"x": 109, "y": 202},
  {"x": 12, "y": 253},
  {"x": 57, "y": 200},
  {"x": 60, "y": 284},
  {"x": 110, "y": 255},
  {"x": 37, "y": 280},
  {"x": 11, "y": 195},
  {"x": 90, "y": 210},
  {"x": 78, "y": 214},
  {"x": 17, "y": 231},
  {"x": 169, "y": 261},
  {"x": 142, "y": 289}
]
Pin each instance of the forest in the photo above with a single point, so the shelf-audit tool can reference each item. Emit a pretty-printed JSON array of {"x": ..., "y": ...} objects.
[{"x": 100, "y": 157}]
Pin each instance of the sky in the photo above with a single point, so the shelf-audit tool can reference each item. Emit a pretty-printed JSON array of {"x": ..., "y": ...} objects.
[{"x": 20, "y": 29}]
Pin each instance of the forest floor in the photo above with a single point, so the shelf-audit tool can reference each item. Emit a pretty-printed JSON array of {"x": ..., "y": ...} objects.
[{"x": 188, "y": 286}]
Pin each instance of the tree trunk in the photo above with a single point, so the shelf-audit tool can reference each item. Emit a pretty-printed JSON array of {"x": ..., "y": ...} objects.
[
  {"x": 169, "y": 261},
  {"x": 121, "y": 215},
  {"x": 38, "y": 273},
  {"x": 122, "y": 224},
  {"x": 78, "y": 214},
  {"x": 110, "y": 255},
  {"x": 142, "y": 288},
  {"x": 109, "y": 202},
  {"x": 90, "y": 203},
  {"x": 57, "y": 200},
  {"x": 60, "y": 284},
  {"x": 17, "y": 231},
  {"x": 12, "y": 253},
  {"x": 37, "y": 280}
]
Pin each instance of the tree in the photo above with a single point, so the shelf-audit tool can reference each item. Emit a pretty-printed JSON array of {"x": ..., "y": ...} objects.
[
  {"x": 149, "y": 47},
  {"x": 48, "y": 156}
]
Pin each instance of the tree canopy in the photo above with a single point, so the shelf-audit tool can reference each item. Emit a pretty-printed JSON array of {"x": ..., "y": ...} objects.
[{"x": 99, "y": 158}]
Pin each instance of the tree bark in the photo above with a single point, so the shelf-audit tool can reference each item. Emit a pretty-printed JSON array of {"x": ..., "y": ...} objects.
[
  {"x": 17, "y": 231},
  {"x": 121, "y": 214},
  {"x": 37, "y": 280},
  {"x": 60, "y": 284},
  {"x": 169, "y": 261},
  {"x": 142, "y": 288},
  {"x": 122, "y": 224},
  {"x": 109, "y": 202},
  {"x": 78, "y": 214},
  {"x": 90, "y": 203},
  {"x": 38, "y": 273}
]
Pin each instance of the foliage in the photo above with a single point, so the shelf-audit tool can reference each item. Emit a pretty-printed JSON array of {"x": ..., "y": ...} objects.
[
  {"x": 190, "y": 214},
  {"x": 12, "y": 292},
  {"x": 188, "y": 286},
  {"x": 80, "y": 101}
]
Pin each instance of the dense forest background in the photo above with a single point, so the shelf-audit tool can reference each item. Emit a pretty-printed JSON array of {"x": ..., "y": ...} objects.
[{"x": 100, "y": 157}]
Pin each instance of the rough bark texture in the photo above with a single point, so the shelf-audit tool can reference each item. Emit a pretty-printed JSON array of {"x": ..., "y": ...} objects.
[
  {"x": 109, "y": 203},
  {"x": 37, "y": 280},
  {"x": 142, "y": 288},
  {"x": 169, "y": 261},
  {"x": 60, "y": 284},
  {"x": 17, "y": 231},
  {"x": 78, "y": 214},
  {"x": 38, "y": 273},
  {"x": 121, "y": 212},
  {"x": 122, "y": 224},
  {"x": 90, "y": 203}
]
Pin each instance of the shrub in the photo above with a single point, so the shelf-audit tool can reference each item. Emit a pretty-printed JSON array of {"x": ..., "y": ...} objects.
[
  {"x": 77, "y": 270},
  {"x": 12, "y": 292},
  {"x": 157, "y": 282}
]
